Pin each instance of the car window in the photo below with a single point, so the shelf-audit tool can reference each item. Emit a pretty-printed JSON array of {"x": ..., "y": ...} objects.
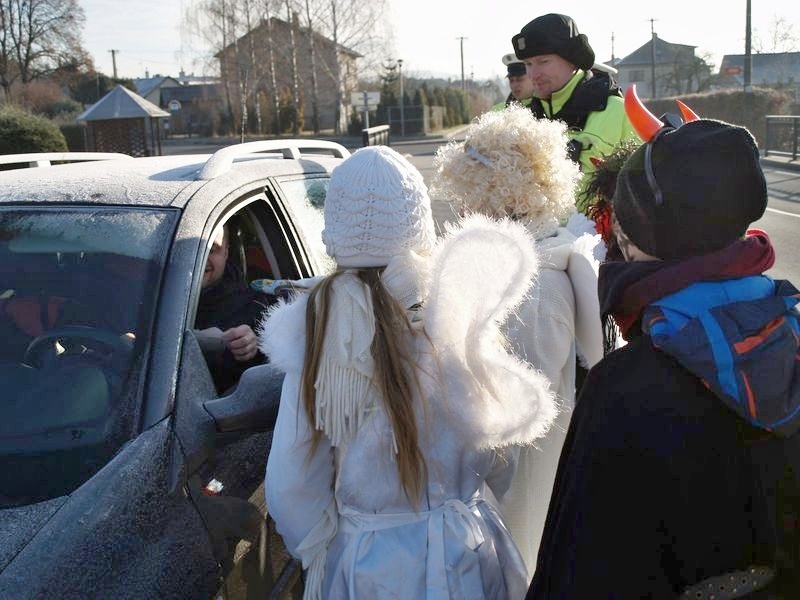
[
  {"x": 306, "y": 198},
  {"x": 78, "y": 287}
]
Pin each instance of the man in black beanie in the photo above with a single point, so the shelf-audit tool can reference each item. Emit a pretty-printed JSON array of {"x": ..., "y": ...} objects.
[
  {"x": 569, "y": 86},
  {"x": 679, "y": 476}
]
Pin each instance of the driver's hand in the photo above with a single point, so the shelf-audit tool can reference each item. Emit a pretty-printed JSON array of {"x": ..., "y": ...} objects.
[{"x": 241, "y": 341}]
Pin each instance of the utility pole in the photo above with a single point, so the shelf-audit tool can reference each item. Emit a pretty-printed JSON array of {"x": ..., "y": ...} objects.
[
  {"x": 114, "y": 62},
  {"x": 463, "y": 81},
  {"x": 402, "y": 99},
  {"x": 653, "y": 56},
  {"x": 748, "y": 63},
  {"x": 748, "y": 54}
]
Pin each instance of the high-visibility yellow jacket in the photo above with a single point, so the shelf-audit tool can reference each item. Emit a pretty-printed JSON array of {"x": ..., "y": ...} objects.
[
  {"x": 592, "y": 107},
  {"x": 509, "y": 100}
]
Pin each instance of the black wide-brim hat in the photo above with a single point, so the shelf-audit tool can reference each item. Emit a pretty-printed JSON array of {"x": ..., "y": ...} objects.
[{"x": 554, "y": 34}]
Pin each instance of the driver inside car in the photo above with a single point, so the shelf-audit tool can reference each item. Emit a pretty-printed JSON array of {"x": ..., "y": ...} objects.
[
  {"x": 24, "y": 317},
  {"x": 227, "y": 315}
]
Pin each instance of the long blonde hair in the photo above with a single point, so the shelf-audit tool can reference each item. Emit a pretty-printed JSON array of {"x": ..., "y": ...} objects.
[{"x": 395, "y": 372}]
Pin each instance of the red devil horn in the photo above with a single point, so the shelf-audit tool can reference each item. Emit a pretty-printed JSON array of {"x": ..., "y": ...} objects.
[
  {"x": 688, "y": 113},
  {"x": 644, "y": 122}
]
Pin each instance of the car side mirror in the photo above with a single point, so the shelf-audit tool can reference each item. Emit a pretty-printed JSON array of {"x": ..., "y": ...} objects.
[
  {"x": 201, "y": 416},
  {"x": 253, "y": 404}
]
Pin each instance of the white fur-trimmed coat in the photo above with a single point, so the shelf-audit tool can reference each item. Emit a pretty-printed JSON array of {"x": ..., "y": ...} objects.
[
  {"x": 343, "y": 511},
  {"x": 557, "y": 322}
]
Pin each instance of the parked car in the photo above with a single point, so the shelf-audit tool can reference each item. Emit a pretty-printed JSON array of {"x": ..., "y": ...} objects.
[{"x": 122, "y": 473}]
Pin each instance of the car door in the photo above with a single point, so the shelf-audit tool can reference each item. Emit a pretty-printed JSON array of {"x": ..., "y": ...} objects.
[{"x": 268, "y": 239}]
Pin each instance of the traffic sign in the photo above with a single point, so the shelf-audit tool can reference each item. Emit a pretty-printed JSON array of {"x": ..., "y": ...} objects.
[{"x": 368, "y": 99}]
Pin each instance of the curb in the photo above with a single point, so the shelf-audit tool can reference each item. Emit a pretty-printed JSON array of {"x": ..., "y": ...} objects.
[{"x": 781, "y": 162}]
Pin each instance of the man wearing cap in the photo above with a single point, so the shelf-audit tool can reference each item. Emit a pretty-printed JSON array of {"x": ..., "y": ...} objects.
[
  {"x": 569, "y": 86},
  {"x": 679, "y": 476},
  {"x": 519, "y": 82}
]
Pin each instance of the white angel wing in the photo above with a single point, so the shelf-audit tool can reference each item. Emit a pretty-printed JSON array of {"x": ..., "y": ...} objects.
[{"x": 481, "y": 271}]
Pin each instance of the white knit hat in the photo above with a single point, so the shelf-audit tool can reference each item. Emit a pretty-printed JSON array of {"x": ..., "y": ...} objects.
[{"x": 377, "y": 207}]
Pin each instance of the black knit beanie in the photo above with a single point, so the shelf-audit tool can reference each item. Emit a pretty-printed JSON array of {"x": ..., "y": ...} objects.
[
  {"x": 554, "y": 34},
  {"x": 711, "y": 187}
]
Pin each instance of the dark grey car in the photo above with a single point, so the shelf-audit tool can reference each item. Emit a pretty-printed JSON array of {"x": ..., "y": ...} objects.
[{"x": 113, "y": 443}]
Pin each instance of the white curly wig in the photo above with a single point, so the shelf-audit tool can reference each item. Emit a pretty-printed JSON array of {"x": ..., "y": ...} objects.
[{"x": 510, "y": 165}]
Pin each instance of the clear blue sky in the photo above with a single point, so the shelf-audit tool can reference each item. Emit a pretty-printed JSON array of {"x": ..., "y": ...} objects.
[{"x": 427, "y": 32}]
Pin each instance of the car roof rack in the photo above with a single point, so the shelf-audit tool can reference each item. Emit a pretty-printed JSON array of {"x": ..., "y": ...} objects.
[
  {"x": 222, "y": 160},
  {"x": 46, "y": 159}
]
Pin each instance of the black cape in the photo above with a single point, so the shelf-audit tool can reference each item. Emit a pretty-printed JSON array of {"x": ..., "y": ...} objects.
[{"x": 660, "y": 486}]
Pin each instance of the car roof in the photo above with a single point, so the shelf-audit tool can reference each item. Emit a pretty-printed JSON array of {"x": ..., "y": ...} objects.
[{"x": 161, "y": 181}]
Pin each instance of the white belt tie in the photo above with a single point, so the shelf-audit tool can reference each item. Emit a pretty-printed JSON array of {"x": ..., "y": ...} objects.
[{"x": 454, "y": 518}]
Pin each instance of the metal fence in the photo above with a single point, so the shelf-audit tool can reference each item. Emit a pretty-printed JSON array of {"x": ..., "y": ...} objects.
[
  {"x": 375, "y": 136},
  {"x": 783, "y": 135}
]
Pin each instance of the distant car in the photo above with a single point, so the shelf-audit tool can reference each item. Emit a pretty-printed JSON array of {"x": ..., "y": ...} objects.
[{"x": 122, "y": 473}]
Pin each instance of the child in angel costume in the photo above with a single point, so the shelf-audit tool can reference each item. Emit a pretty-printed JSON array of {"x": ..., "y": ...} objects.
[
  {"x": 401, "y": 401},
  {"x": 513, "y": 165}
]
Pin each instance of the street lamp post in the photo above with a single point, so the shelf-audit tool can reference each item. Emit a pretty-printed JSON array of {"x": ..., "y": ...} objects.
[
  {"x": 463, "y": 81},
  {"x": 402, "y": 99}
]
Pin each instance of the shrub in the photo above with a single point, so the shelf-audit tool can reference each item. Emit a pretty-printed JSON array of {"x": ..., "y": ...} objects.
[
  {"x": 64, "y": 110},
  {"x": 75, "y": 136},
  {"x": 22, "y": 132},
  {"x": 731, "y": 105}
]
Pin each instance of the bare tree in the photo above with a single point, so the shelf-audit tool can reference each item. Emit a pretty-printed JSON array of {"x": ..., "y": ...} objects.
[
  {"x": 352, "y": 25},
  {"x": 291, "y": 18},
  {"x": 359, "y": 27},
  {"x": 276, "y": 100},
  {"x": 211, "y": 22},
  {"x": 241, "y": 34},
  {"x": 780, "y": 38},
  {"x": 224, "y": 26},
  {"x": 37, "y": 37},
  {"x": 310, "y": 21},
  {"x": 688, "y": 75}
]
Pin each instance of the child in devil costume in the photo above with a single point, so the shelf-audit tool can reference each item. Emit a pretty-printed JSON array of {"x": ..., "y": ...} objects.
[{"x": 679, "y": 475}]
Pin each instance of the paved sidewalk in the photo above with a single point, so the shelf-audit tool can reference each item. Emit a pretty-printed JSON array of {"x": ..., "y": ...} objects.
[{"x": 777, "y": 161}]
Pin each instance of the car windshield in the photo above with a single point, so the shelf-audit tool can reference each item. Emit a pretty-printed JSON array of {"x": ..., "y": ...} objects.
[{"x": 78, "y": 287}]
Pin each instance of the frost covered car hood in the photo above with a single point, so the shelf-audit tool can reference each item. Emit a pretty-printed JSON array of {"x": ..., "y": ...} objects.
[
  {"x": 109, "y": 537},
  {"x": 19, "y": 525}
]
